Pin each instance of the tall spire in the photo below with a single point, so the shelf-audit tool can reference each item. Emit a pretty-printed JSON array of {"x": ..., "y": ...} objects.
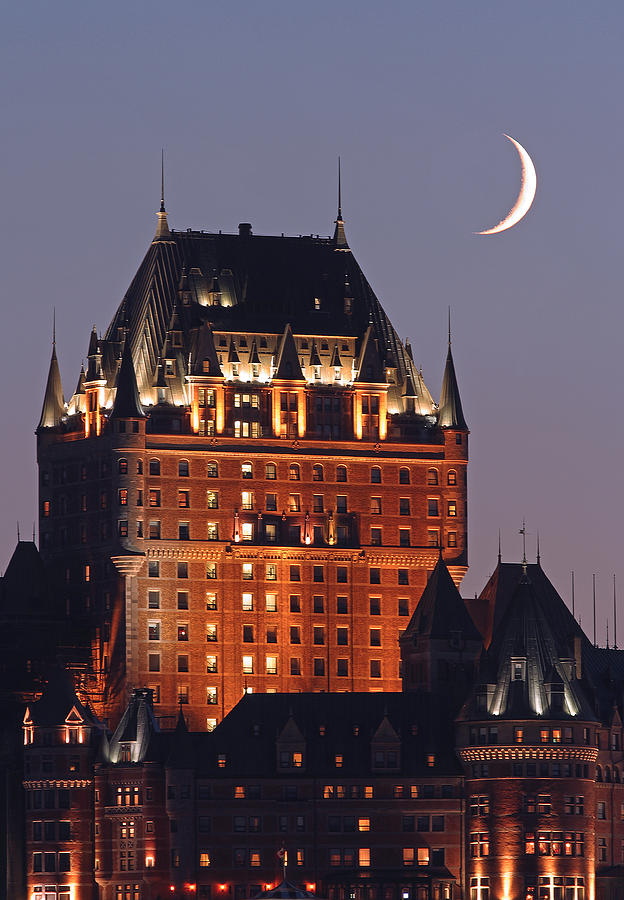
[
  {"x": 340, "y": 238},
  {"x": 162, "y": 228},
  {"x": 450, "y": 414},
  {"x": 53, "y": 402}
]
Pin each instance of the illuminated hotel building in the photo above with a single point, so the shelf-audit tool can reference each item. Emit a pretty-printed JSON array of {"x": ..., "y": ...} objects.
[
  {"x": 250, "y": 483},
  {"x": 495, "y": 774}
]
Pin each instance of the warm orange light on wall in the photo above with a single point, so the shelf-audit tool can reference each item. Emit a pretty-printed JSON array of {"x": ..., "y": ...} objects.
[
  {"x": 301, "y": 413},
  {"x": 383, "y": 412},
  {"x": 311, "y": 886},
  {"x": 276, "y": 413},
  {"x": 357, "y": 416},
  {"x": 220, "y": 412},
  {"x": 195, "y": 410}
]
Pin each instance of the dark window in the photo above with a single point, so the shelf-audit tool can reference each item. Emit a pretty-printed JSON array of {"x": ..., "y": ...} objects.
[
  {"x": 341, "y": 473},
  {"x": 403, "y": 576},
  {"x": 341, "y": 574},
  {"x": 342, "y": 636},
  {"x": 319, "y": 573},
  {"x": 374, "y": 576},
  {"x": 342, "y": 668},
  {"x": 375, "y": 606},
  {"x": 404, "y": 506},
  {"x": 375, "y": 475},
  {"x": 404, "y": 476},
  {"x": 295, "y": 603},
  {"x": 295, "y": 573},
  {"x": 154, "y": 467},
  {"x": 319, "y": 667},
  {"x": 342, "y": 605}
]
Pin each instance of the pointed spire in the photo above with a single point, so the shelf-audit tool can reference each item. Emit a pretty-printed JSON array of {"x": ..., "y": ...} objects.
[
  {"x": 340, "y": 238},
  {"x": 451, "y": 414},
  {"x": 80, "y": 388},
  {"x": 53, "y": 402},
  {"x": 127, "y": 403},
  {"x": 335, "y": 362},
  {"x": 287, "y": 364},
  {"x": 162, "y": 228}
]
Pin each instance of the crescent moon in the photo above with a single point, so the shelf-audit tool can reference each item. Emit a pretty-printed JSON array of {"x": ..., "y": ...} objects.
[{"x": 526, "y": 196}]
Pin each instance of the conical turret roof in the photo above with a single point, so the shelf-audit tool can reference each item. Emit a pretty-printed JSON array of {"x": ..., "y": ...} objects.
[
  {"x": 287, "y": 365},
  {"x": 53, "y": 402},
  {"x": 451, "y": 414},
  {"x": 441, "y": 612},
  {"x": 127, "y": 403}
]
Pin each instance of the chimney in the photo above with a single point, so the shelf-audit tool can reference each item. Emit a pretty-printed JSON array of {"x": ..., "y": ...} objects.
[{"x": 244, "y": 229}]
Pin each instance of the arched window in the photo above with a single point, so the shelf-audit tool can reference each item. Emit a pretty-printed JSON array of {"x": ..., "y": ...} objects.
[
  {"x": 183, "y": 468},
  {"x": 294, "y": 473},
  {"x": 598, "y": 773},
  {"x": 123, "y": 466},
  {"x": 404, "y": 475},
  {"x": 139, "y": 466},
  {"x": 616, "y": 774},
  {"x": 451, "y": 478},
  {"x": 341, "y": 473},
  {"x": 270, "y": 471},
  {"x": 375, "y": 475},
  {"x": 607, "y": 774},
  {"x": 432, "y": 476},
  {"x": 212, "y": 469},
  {"x": 154, "y": 467},
  {"x": 317, "y": 472}
]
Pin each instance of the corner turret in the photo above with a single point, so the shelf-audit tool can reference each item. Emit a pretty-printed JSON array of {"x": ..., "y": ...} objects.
[{"x": 53, "y": 402}]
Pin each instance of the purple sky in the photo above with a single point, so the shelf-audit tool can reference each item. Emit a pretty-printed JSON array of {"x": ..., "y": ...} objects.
[{"x": 253, "y": 102}]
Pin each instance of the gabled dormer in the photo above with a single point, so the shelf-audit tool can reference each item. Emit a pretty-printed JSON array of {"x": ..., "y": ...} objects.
[
  {"x": 385, "y": 748},
  {"x": 290, "y": 749},
  {"x": 131, "y": 739}
]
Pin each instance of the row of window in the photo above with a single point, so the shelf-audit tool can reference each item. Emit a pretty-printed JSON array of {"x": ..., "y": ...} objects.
[
  {"x": 536, "y": 770},
  {"x": 479, "y": 805},
  {"x": 249, "y": 667},
  {"x": 294, "y": 472},
  {"x": 52, "y": 861},
  {"x": 271, "y": 572},
  {"x": 249, "y": 634},
  {"x": 295, "y": 604},
  {"x": 547, "y": 887}
]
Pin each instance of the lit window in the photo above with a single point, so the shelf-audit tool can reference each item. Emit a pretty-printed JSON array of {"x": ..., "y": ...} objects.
[
  {"x": 271, "y": 602},
  {"x": 364, "y": 857},
  {"x": 248, "y": 665},
  {"x": 271, "y": 665},
  {"x": 204, "y": 859},
  {"x": 246, "y": 470}
]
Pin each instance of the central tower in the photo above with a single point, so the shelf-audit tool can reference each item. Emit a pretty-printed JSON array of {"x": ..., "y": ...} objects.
[{"x": 251, "y": 482}]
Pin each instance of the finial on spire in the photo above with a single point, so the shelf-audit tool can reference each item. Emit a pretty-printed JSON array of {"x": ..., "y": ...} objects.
[
  {"x": 54, "y": 326},
  {"x": 340, "y": 238},
  {"x": 573, "y": 614},
  {"x": 449, "y": 326},
  {"x": 339, "y": 191},
  {"x": 538, "y": 549},
  {"x": 499, "y": 546},
  {"x": 615, "y": 646},
  {"x": 162, "y": 228},
  {"x": 594, "y": 604},
  {"x": 607, "y": 633},
  {"x": 18, "y": 531},
  {"x": 162, "y": 179},
  {"x": 523, "y": 533}
]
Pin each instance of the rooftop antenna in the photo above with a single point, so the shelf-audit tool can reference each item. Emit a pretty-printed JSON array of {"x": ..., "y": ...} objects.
[
  {"x": 18, "y": 533},
  {"x": 33, "y": 532},
  {"x": 538, "y": 549},
  {"x": 499, "y": 546},
  {"x": 449, "y": 326},
  {"x": 573, "y": 616},
  {"x": 523, "y": 533},
  {"x": 594, "y": 602},
  {"x": 615, "y": 646},
  {"x": 607, "y": 633}
]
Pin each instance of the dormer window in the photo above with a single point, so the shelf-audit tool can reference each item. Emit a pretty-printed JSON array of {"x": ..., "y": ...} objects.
[
  {"x": 348, "y": 306},
  {"x": 518, "y": 669},
  {"x": 124, "y": 753}
]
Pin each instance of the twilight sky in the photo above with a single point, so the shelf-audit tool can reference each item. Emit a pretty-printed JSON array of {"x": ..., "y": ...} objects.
[{"x": 253, "y": 102}]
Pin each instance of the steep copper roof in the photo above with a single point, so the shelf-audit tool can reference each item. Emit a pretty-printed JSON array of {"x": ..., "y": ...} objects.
[
  {"x": 127, "y": 404},
  {"x": 265, "y": 282}
]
